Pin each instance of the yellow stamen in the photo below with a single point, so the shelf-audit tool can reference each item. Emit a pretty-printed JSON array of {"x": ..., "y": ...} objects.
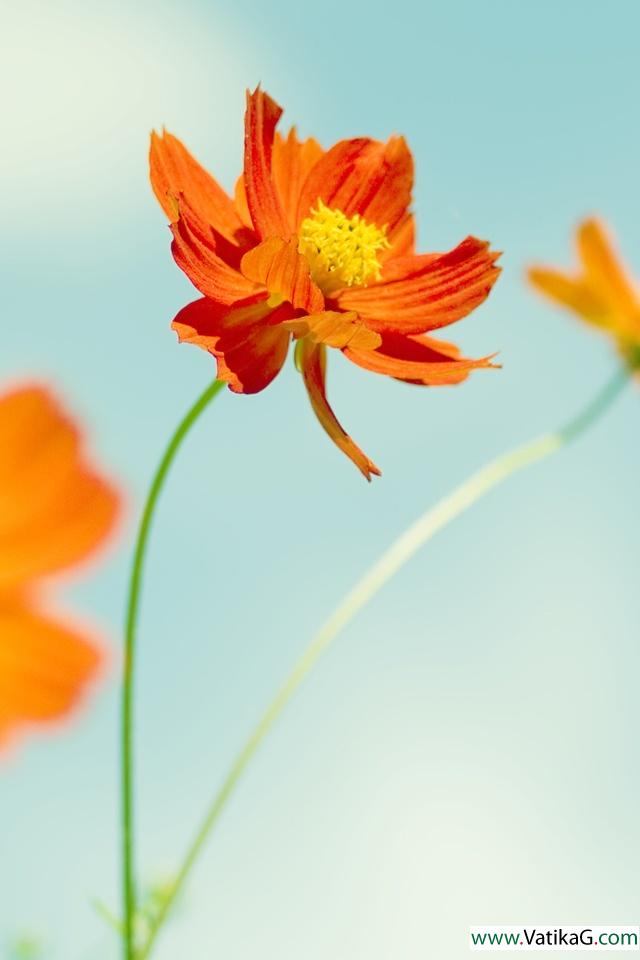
[{"x": 342, "y": 251}]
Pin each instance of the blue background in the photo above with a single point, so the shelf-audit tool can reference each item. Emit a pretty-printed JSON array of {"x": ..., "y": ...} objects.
[{"x": 468, "y": 751}]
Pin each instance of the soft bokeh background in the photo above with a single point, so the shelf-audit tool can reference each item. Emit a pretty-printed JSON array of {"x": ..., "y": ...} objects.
[{"x": 467, "y": 753}]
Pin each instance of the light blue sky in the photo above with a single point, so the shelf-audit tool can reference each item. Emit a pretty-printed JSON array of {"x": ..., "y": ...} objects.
[{"x": 467, "y": 754}]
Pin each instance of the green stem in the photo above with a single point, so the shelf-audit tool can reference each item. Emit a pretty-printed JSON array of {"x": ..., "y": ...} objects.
[
  {"x": 133, "y": 604},
  {"x": 391, "y": 561}
]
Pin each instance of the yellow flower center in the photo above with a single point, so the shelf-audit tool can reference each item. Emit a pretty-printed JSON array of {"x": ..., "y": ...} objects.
[{"x": 342, "y": 251}]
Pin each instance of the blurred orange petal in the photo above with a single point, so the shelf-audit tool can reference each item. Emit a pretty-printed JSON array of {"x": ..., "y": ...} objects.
[
  {"x": 601, "y": 292},
  {"x": 569, "y": 292},
  {"x": 45, "y": 668},
  {"x": 55, "y": 510},
  {"x": 606, "y": 275}
]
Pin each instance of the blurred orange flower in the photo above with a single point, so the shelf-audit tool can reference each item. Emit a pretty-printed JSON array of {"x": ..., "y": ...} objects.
[
  {"x": 55, "y": 510},
  {"x": 600, "y": 291},
  {"x": 319, "y": 246}
]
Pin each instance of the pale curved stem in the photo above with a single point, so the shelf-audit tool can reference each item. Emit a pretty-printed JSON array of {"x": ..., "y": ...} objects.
[{"x": 419, "y": 533}]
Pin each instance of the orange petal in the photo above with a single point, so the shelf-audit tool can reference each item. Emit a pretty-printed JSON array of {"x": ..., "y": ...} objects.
[
  {"x": 55, "y": 510},
  {"x": 402, "y": 240},
  {"x": 335, "y": 329},
  {"x": 277, "y": 265},
  {"x": 292, "y": 161},
  {"x": 45, "y": 668},
  {"x": 419, "y": 360},
  {"x": 195, "y": 251},
  {"x": 605, "y": 273},
  {"x": 362, "y": 176},
  {"x": 425, "y": 292},
  {"x": 174, "y": 171},
  {"x": 249, "y": 343},
  {"x": 569, "y": 292},
  {"x": 312, "y": 360},
  {"x": 267, "y": 212},
  {"x": 240, "y": 194}
]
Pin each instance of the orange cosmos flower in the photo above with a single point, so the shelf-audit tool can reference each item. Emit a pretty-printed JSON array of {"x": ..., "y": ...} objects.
[
  {"x": 600, "y": 291},
  {"x": 317, "y": 246},
  {"x": 54, "y": 511}
]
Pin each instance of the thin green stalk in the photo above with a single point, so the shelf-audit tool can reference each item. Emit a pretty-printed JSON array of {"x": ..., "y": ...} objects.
[
  {"x": 391, "y": 561},
  {"x": 133, "y": 604}
]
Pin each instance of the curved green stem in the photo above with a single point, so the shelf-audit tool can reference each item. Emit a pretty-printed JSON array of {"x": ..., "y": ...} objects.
[
  {"x": 391, "y": 561},
  {"x": 133, "y": 604}
]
